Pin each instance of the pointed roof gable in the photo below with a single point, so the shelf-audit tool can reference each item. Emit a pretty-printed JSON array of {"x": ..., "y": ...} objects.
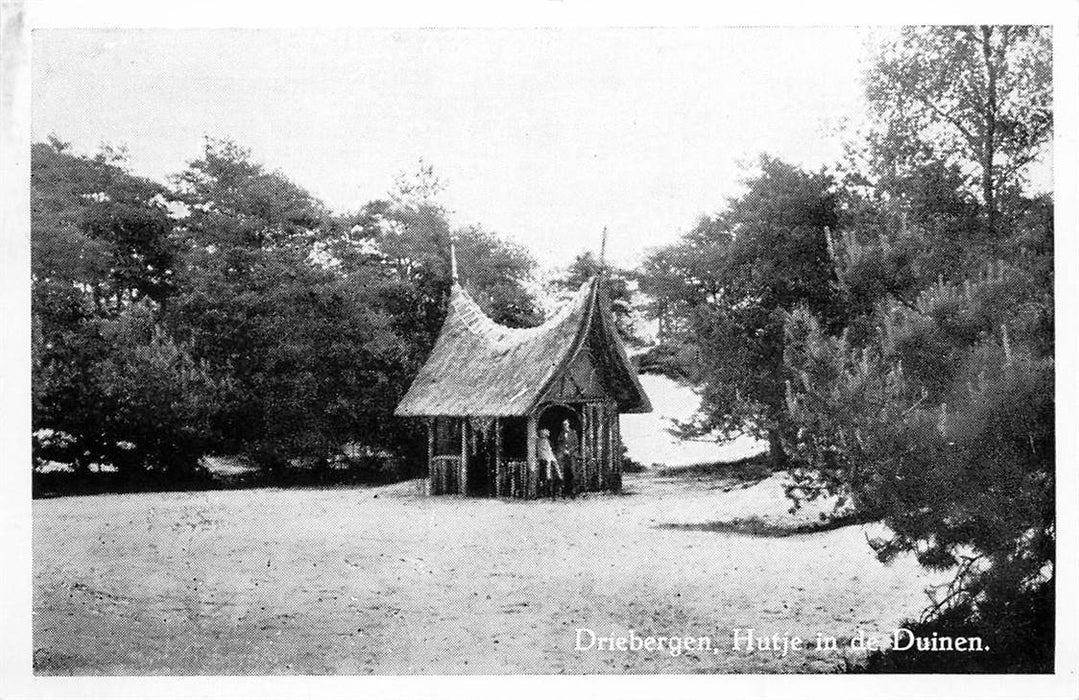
[{"x": 481, "y": 368}]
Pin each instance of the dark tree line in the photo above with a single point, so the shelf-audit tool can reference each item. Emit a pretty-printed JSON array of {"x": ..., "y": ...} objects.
[{"x": 232, "y": 313}]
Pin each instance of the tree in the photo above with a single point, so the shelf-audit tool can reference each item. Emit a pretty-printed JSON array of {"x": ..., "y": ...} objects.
[
  {"x": 313, "y": 361},
  {"x": 321, "y": 321},
  {"x": 234, "y": 203},
  {"x": 311, "y": 356},
  {"x": 408, "y": 237},
  {"x": 100, "y": 237},
  {"x": 979, "y": 98},
  {"x": 584, "y": 267},
  {"x": 103, "y": 263},
  {"x": 120, "y": 391},
  {"x": 743, "y": 271},
  {"x": 931, "y": 407},
  {"x": 943, "y": 428}
]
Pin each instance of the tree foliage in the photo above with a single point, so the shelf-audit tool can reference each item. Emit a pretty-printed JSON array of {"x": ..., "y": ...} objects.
[
  {"x": 943, "y": 427},
  {"x": 234, "y": 203},
  {"x": 977, "y": 98},
  {"x": 120, "y": 391},
  {"x": 584, "y": 267},
  {"x": 100, "y": 235},
  {"x": 734, "y": 277},
  {"x": 236, "y": 314},
  {"x": 109, "y": 383},
  {"x": 932, "y": 407},
  {"x": 892, "y": 330},
  {"x": 309, "y": 341}
]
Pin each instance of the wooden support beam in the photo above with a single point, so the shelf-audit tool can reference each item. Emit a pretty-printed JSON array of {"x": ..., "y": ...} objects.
[
  {"x": 601, "y": 437},
  {"x": 432, "y": 423},
  {"x": 616, "y": 442},
  {"x": 500, "y": 468},
  {"x": 597, "y": 438},
  {"x": 531, "y": 456},
  {"x": 586, "y": 449},
  {"x": 464, "y": 457},
  {"x": 608, "y": 456},
  {"x": 612, "y": 422}
]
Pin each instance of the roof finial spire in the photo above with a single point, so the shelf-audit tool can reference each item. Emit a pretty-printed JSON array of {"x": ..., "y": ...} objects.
[
  {"x": 603, "y": 252},
  {"x": 453, "y": 258}
]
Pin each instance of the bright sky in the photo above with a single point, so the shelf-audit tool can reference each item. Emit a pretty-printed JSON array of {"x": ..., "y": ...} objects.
[{"x": 542, "y": 135}]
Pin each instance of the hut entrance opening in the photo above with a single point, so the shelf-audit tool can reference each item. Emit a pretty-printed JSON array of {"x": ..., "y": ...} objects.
[{"x": 552, "y": 418}]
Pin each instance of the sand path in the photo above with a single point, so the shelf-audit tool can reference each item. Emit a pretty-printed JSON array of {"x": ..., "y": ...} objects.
[{"x": 384, "y": 580}]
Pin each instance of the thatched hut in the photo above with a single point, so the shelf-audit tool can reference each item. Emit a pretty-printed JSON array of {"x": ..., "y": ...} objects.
[{"x": 487, "y": 390}]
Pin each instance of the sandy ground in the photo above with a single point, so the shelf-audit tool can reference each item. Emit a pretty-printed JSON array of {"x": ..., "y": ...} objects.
[
  {"x": 384, "y": 580},
  {"x": 649, "y": 441}
]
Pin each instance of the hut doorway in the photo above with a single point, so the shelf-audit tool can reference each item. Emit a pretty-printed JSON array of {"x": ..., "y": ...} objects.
[{"x": 553, "y": 416}]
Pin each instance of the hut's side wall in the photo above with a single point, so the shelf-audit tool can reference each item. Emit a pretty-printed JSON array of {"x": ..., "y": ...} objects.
[{"x": 446, "y": 455}]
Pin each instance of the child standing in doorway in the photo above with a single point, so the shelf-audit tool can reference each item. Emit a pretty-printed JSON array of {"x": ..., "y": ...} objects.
[{"x": 548, "y": 462}]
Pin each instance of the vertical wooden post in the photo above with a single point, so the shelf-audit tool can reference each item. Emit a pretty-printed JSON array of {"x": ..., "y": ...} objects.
[
  {"x": 597, "y": 455},
  {"x": 606, "y": 438},
  {"x": 616, "y": 448},
  {"x": 492, "y": 463},
  {"x": 431, "y": 424},
  {"x": 499, "y": 467},
  {"x": 597, "y": 443},
  {"x": 464, "y": 457},
  {"x": 612, "y": 418},
  {"x": 586, "y": 451},
  {"x": 601, "y": 455},
  {"x": 531, "y": 456},
  {"x": 605, "y": 445}
]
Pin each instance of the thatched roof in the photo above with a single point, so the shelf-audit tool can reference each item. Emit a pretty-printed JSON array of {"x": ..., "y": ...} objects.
[{"x": 480, "y": 368}]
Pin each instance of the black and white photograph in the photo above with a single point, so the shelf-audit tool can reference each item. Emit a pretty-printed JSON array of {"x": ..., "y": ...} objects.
[{"x": 430, "y": 353}]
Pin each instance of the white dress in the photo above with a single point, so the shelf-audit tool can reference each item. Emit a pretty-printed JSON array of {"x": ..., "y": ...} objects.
[{"x": 546, "y": 456}]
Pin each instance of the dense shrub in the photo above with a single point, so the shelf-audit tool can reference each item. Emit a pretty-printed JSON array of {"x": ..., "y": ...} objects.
[{"x": 957, "y": 460}]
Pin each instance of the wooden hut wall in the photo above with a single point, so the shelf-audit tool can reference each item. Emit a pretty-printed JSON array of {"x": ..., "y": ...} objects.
[
  {"x": 454, "y": 446},
  {"x": 599, "y": 465},
  {"x": 446, "y": 455}
]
